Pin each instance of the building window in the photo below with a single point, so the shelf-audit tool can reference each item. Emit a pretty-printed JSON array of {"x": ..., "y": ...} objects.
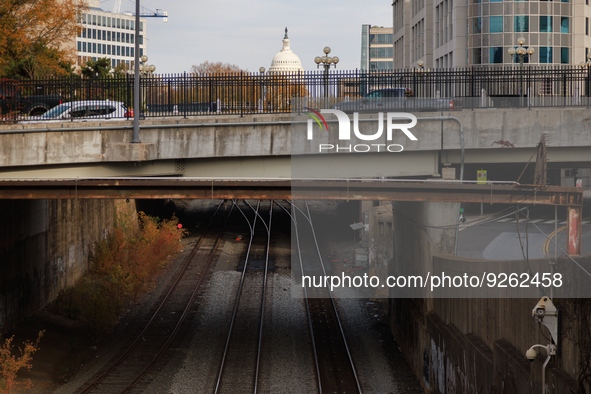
[
  {"x": 564, "y": 24},
  {"x": 374, "y": 52},
  {"x": 496, "y": 24},
  {"x": 118, "y": 23},
  {"x": 127, "y": 24},
  {"x": 118, "y": 37},
  {"x": 521, "y": 23},
  {"x": 477, "y": 56},
  {"x": 79, "y": 46},
  {"x": 133, "y": 35},
  {"x": 108, "y": 21},
  {"x": 132, "y": 25},
  {"x": 94, "y": 34},
  {"x": 132, "y": 51},
  {"x": 496, "y": 55},
  {"x": 84, "y": 33},
  {"x": 127, "y": 51},
  {"x": 477, "y": 25},
  {"x": 94, "y": 19},
  {"x": 83, "y": 47},
  {"x": 93, "y": 47},
  {"x": 545, "y": 54},
  {"x": 564, "y": 55},
  {"x": 108, "y": 49},
  {"x": 545, "y": 24}
]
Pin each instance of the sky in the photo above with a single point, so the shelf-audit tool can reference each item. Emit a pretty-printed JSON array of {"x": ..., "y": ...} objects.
[{"x": 249, "y": 33}]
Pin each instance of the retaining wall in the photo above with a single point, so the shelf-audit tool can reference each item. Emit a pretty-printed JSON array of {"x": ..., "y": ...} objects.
[{"x": 45, "y": 247}]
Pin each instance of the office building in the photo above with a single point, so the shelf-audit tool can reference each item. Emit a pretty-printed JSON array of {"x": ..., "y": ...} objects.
[
  {"x": 460, "y": 33},
  {"x": 376, "y": 48},
  {"x": 105, "y": 34}
]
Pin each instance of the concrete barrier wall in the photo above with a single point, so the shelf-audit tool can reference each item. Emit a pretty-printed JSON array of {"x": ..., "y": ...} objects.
[
  {"x": 478, "y": 345},
  {"x": 447, "y": 359},
  {"x": 45, "y": 247},
  {"x": 484, "y": 131}
]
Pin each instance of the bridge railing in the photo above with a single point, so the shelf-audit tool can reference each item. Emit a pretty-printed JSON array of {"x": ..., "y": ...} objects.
[{"x": 190, "y": 94}]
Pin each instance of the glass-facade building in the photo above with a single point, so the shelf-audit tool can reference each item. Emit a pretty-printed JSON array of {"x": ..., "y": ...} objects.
[
  {"x": 460, "y": 33},
  {"x": 105, "y": 34},
  {"x": 495, "y": 25},
  {"x": 376, "y": 48}
]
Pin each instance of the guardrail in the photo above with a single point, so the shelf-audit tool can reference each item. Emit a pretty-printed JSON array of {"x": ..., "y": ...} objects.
[{"x": 243, "y": 93}]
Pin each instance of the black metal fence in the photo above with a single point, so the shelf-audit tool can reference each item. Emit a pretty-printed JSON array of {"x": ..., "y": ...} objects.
[{"x": 246, "y": 93}]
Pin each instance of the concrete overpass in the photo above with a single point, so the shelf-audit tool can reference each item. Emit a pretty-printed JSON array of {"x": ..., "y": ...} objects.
[{"x": 263, "y": 146}]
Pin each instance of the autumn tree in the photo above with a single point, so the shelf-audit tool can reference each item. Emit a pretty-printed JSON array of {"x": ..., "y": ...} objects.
[
  {"x": 215, "y": 68},
  {"x": 38, "y": 36},
  {"x": 10, "y": 364}
]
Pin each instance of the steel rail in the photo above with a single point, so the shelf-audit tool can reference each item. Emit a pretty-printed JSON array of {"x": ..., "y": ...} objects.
[
  {"x": 131, "y": 347},
  {"x": 239, "y": 292},
  {"x": 342, "y": 332},
  {"x": 264, "y": 295},
  {"x": 313, "y": 340}
]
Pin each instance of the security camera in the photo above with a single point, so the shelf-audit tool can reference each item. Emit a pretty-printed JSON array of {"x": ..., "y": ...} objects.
[{"x": 531, "y": 354}]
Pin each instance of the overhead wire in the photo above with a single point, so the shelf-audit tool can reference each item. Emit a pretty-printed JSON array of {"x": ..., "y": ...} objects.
[{"x": 562, "y": 250}]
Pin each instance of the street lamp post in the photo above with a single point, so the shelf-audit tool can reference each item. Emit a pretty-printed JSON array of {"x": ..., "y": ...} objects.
[
  {"x": 326, "y": 61},
  {"x": 145, "y": 70},
  {"x": 522, "y": 52},
  {"x": 262, "y": 86}
]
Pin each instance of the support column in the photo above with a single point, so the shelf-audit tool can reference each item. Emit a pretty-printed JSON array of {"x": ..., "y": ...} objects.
[{"x": 575, "y": 215}]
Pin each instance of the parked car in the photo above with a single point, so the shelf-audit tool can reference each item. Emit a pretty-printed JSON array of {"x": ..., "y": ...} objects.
[
  {"x": 84, "y": 111},
  {"x": 12, "y": 101},
  {"x": 395, "y": 99}
]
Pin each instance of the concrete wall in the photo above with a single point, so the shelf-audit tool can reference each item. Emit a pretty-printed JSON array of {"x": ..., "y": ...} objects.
[
  {"x": 276, "y": 135},
  {"x": 474, "y": 345},
  {"x": 44, "y": 247}
]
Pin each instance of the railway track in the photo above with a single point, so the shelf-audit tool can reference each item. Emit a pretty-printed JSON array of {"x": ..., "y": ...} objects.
[
  {"x": 239, "y": 368},
  {"x": 132, "y": 369},
  {"x": 335, "y": 370},
  {"x": 239, "y": 363}
]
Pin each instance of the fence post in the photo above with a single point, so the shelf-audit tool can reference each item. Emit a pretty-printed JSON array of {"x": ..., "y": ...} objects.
[
  {"x": 588, "y": 87},
  {"x": 128, "y": 91},
  {"x": 71, "y": 87},
  {"x": 472, "y": 89},
  {"x": 185, "y": 94},
  {"x": 563, "y": 89}
]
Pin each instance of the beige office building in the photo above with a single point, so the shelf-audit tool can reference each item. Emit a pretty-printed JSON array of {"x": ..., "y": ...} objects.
[
  {"x": 460, "y": 33},
  {"x": 110, "y": 35}
]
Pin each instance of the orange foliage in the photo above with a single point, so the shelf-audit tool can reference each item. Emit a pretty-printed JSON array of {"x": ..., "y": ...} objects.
[
  {"x": 37, "y": 35},
  {"x": 215, "y": 68},
  {"x": 10, "y": 364},
  {"x": 123, "y": 265}
]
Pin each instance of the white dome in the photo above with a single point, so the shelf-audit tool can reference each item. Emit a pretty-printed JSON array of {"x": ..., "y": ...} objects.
[{"x": 286, "y": 61}]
